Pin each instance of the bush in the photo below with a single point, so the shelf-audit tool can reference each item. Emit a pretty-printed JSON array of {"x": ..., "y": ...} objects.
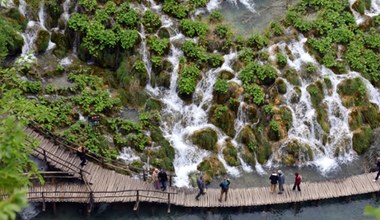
[
  {"x": 255, "y": 93},
  {"x": 215, "y": 60},
  {"x": 177, "y": 10},
  {"x": 221, "y": 86},
  {"x": 257, "y": 42},
  {"x": 188, "y": 79},
  {"x": 281, "y": 59},
  {"x": 151, "y": 21},
  {"x": 222, "y": 31},
  {"x": 192, "y": 28},
  {"x": 216, "y": 16},
  {"x": 158, "y": 46},
  {"x": 127, "y": 16}
]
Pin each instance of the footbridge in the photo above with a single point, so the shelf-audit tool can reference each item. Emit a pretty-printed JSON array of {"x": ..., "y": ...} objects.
[{"x": 98, "y": 182}]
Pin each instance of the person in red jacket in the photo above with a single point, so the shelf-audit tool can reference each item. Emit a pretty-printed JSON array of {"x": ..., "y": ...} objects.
[{"x": 297, "y": 181}]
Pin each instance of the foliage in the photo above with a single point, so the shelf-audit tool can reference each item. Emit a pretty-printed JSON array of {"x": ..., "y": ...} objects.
[
  {"x": 216, "y": 16},
  {"x": 215, "y": 60},
  {"x": 311, "y": 68},
  {"x": 126, "y": 15},
  {"x": 128, "y": 38},
  {"x": 198, "y": 3},
  {"x": 95, "y": 101},
  {"x": 276, "y": 28},
  {"x": 89, "y": 5},
  {"x": 157, "y": 45},
  {"x": 192, "y": 28},
  {"x": 188, "y": 79},
  {"x": 194, "y": 52},
  {"x": 15, "y": 149},
  {"x": 222, "y": 31},
  {"x": 151, "y": 21},
  {"x": 255, "y": 92},
  {"x": 281, "y": 59},
  {"x": 257, "y": 42},
  {"x": 371, "y": 211},
  {"x": 221, "y": 86},
  {"x": 7, "y": 37},
  {"x": 254, "y": 71},
  {"x": 176, "y": 9}
]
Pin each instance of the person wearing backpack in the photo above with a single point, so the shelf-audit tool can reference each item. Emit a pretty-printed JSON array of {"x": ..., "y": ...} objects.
[
  {"x": 297, "y": 182},
  {"x": 224, "y": 186}
]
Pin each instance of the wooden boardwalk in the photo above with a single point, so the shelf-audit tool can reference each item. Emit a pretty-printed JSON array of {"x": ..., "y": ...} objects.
[{"x": 102, "y": 185}]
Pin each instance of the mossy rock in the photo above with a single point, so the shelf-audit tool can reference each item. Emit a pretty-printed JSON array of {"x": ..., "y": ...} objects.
[
  {"x": 361, "y": 139},
  {"x": 163, "y": 79},
  {"x": 163, "y": 33},
  {"x": 83, "y": 53},
  {"x": 292, "y": 77},
  {"x": 263, "y": 152},
  {"x": 42, "y": 41},
  {"x": 286, "y": 117},
  {"x": 316, "y": 93},
  {"x": 133, "y": 96},
  {"x": 353, "y": 92},
  {"x": 205, "y": 139},
  {"x": 235, "y": 89},
  {"x": 371, "y": 115},
  {"x": 212, "y": 167},
  {"x": 62, "y": 44},
  {"x": 361, "y": 5},
  {"x": 230, "y": 154},
  {"x": 226, "y": 75},
  {"x": 295, "y": 152},
  {"x": 252, "y": 113},
  {"x": 322, "y": 117},
  {"x": 281, "y": 86},
  {"x": 108, "y": 58},
  {"x": 222, "y": 117},
  {"x": 15, "y": 47},
  {"x": 247, "y": 136},
  {"x": 296, "y": 95},
  {"x": 356, "y": 118},
  {"x": 16, "y": 15},
  {"x": 248, "y": 156},
  {"x": 153, "y": 105}
]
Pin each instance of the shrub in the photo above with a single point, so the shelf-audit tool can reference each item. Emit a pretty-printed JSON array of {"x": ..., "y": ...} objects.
[
  {"x": 89, "y": 5},
  {"x": 222, "y": 31},
  {"x": 193, "y": 28},
  {"x": 188, "y": 79},
  {"x": 311, "y": 68},
  {"x": 157, "y": 45},
  {"x": 216, "y": 16},
  {"x": 198, "y": 3},
  {"x": 281, "y": 59},
  {"x": 151, "y": 21},
  {"x": 128, "y": 38},
  {"x": 194, "y": 52},
  {"x": 255, "y": 92},
  {"x": 215, "y": 60},
  {"x": 127, "y": 16},
  {"x": 257, "y": 42},
  {"x": 177, "y": 10},
  {"x": 221, "y": 86},
  {"x": 276, "y": 28}
]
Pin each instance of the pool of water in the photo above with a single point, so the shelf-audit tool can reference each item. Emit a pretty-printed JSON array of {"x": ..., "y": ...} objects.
[{"x": 333, "y": 209}]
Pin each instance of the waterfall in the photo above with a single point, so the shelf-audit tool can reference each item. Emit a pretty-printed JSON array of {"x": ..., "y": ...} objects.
[
  {"x": 127, "y": 155},
  {"x": 66, "y": 6},
  {"x": 41, "y": 18},
  {"x": 372, "y": 12}
]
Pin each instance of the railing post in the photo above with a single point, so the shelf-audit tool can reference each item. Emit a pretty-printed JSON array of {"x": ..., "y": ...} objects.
[
  {"x": 43, "y": 202},
  {"x": 144, "y": 175},
  {"x": 137, "y": 201},
  {"x": 91, "y": 202},
  {"x": 81, "y": 175},
  {"x": 168, "y": 202},
  {"x": 170, "y": 180},
  {"x": 45, "y": 159}
]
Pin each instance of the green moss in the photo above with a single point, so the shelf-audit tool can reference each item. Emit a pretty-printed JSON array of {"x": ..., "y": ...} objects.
[
  {"x": 281, "y": 86},
  {"x": 205, "y": 139},
  {"x": 295, "y": 152},
  {"x": 353, "y": 92},
  {"x": 223, "y": 118},
  {"x": 263, "y": 152},
  {"x": 247, "y": 136},
  {"x": 212, "y": 167},
  {"x": 42, "y": 41},
  {"x": 230, "y": 154},
  {"x": 361, "y": 139},
  {"x": 248, "y": 156},
  {"x": 292, "y": 77},
  {"x": 286, "y": 117},
  {"x": 316, "y": 93}
]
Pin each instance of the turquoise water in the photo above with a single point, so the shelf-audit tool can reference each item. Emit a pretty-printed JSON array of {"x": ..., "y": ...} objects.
[{"x": 326, "y": 210}]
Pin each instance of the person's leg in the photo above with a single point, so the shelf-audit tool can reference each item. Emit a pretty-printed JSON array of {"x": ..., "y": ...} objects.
[
  {"x": 225, "y": 196},
  {"x": 164, "y": 186},
  {"x": 294, "y": 186},
  {"x": 298, "y": 187},
  {"x": 221, "y": 195},
  {"x": 378, "y": 174},
  {"x": 199, "y": 194}
]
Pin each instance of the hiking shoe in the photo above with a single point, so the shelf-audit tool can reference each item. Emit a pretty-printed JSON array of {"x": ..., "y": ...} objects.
[
  {"x": 219, "y": 200},
  {"x": 374, "y": 180}
]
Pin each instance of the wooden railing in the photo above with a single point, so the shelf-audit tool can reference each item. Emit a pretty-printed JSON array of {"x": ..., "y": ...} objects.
[
  {"x": 113, "y": 165},
  {"x": 69, "y": 166},
  {"x": 91, "y": 197}
]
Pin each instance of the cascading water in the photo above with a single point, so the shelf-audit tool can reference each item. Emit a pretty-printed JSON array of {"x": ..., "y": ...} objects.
[
  {"x": 373, "y": 11},
  {"x": 41, "y": 18},
  {"x": 305, "y": 128}
]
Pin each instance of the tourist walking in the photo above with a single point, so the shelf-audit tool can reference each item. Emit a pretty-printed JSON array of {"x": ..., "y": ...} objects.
[
  {"x": 163, "y": 177},
  {"x": 156, "y": 182},
  {"x": 378, "y": 169},
  {"x": 81, "y": 152},
  {"x": 297, "y": 181},
  {"x": 281, "y": 182},
  {"x": 202, "y": 187},
  {"x": 224, "y": 186},
  {"x": 273, "y": 181}
]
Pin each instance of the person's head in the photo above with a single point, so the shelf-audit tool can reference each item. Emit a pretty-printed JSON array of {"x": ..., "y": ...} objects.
[
  {"x": 296, "y": 173},
  {"x": 155, "y": 170},
  {"x": 279, "y": 172}
]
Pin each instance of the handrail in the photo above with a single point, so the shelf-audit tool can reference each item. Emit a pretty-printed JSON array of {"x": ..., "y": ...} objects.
[
  {"x": 65, "y": 143},
  {"x": 60, "y": 161}
]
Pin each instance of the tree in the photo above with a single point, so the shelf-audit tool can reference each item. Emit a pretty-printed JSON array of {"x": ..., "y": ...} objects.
[{"x": 15, "y": 165}]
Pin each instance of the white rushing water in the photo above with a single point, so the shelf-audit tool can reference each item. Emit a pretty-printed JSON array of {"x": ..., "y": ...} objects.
[
  {"x": 248, "y": 4},
  {"x": 373, "y": 11}
]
